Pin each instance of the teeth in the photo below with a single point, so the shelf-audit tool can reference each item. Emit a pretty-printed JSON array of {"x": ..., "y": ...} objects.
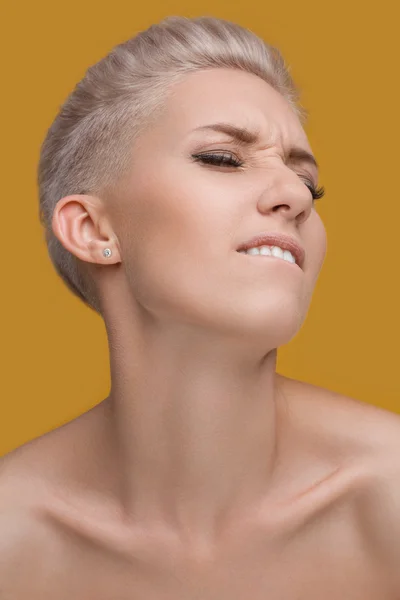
[
  {"x": 277, "y": 251},
  {"x": 288, "y": 256},
  {"x": 270, "y": 251}
]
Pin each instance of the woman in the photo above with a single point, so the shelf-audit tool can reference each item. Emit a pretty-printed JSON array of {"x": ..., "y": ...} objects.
[{"x": 177, "y": 191}]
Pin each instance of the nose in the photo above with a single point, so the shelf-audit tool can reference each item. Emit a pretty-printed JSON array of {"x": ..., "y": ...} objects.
[{"x": 286, "y": 194}]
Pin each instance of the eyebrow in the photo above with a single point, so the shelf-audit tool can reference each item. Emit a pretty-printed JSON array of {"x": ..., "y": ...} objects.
[{"x": 245, "y": 137}]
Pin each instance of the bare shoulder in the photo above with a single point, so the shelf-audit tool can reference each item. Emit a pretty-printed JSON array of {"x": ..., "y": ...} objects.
[
  {"x": 25, "y": 540},
  {"x": 56, "y": 460},
  {"x": 44, "y": 483},
  {"x": 23, "y": 500},
  {"x": 30, "y": 475},
  {"x": 367, "y": 435},
  {"x": 342, "y": 421},
  {"x": 20, "y": 531}
]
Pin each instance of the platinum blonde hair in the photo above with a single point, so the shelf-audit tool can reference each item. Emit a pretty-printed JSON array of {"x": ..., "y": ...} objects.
[{"x": 88, "y": 147}]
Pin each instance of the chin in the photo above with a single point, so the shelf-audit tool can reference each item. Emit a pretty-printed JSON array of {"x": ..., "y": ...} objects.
[
  {"x": 277, "y": 322},
  {"x": 278, "y": 328}
]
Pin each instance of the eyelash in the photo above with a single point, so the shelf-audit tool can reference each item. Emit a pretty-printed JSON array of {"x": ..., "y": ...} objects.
[{"x": 227, "y": 159}]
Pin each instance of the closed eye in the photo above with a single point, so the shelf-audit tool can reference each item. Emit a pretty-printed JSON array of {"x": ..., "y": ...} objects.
[
  {"x": 317, "y": 193},
  {"x": 230, "y": 160},
  {"x": 219, "y": 159}
]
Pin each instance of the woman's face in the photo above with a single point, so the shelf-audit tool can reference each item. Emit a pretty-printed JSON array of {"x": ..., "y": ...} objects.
[{"x": 181, "y": 220}]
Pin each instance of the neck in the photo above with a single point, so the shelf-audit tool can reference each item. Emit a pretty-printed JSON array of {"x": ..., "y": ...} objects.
[{"x": 196, "y": 427}]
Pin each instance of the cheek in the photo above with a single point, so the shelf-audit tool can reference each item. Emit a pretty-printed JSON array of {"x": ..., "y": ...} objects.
[
  {"x": 169, "y": 230},
  {"x": 156, "y": 210},
  {"x": 182, "y": 209},
  {"x": 314, "y": 236},
  {"x": 320, "y": 240}
]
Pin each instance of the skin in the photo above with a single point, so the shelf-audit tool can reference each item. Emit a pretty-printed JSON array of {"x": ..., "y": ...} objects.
[{"x": 205, "y": 473}]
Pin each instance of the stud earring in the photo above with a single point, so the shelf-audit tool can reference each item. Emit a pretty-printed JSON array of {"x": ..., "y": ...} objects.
[{"x": 107, "y": 252}]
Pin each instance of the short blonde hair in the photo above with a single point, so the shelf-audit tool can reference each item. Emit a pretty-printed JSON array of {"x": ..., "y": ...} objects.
[{"x": 88, "y": 147}]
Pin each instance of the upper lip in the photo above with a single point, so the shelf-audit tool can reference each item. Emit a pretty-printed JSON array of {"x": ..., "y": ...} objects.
[{"x": 285, "y": 242}]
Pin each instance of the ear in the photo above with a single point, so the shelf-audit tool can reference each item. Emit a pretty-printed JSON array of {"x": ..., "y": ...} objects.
[{"x": 79, "y": 224}]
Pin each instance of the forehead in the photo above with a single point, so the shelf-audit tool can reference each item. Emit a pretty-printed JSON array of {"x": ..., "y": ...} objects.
[{"x": 243, "y": 99}]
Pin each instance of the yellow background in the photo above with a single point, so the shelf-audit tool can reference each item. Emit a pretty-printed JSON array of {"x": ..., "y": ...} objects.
[{"x": 344, "y": 56}]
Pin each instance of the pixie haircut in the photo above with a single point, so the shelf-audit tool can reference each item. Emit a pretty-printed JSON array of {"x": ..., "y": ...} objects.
[{"x": 88, "y": 147}]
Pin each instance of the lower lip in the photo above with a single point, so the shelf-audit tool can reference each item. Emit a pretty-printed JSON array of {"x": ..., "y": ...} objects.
[{"x": 261, "y": 257}]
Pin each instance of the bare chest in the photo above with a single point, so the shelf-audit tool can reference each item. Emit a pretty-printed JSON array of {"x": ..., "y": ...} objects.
[{"x": 326, "y": 557}]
